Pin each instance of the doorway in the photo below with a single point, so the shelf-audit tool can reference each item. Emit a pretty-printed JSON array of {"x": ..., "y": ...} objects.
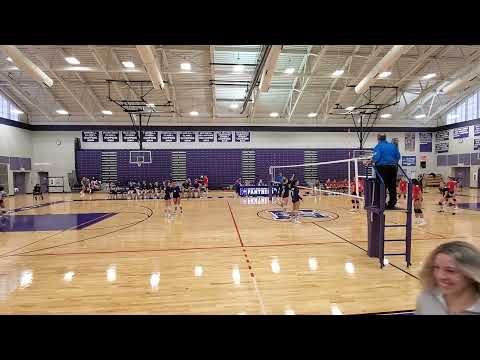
[
  {"x": 463, "y": 175},
  {"x": 19, "y": 182}
]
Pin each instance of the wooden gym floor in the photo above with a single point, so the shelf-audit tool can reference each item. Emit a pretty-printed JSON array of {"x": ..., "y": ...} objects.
[{"x": 222, "y": 256}]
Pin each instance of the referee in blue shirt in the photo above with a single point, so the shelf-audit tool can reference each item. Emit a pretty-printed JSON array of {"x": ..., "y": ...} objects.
[{"x": 386, "y": 157}]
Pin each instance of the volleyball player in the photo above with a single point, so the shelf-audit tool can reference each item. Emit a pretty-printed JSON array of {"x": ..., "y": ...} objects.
[
  {"x": 356, "y": 201},
  {"x": 168, "y": 199},
  {"x": 196, "y": 186},
  {"x": 402, "y": 188},
  {"x": 37, "y": 192},
  {"x": 295, "y": 200},
  {"x": 285, "y": 192},
  {"x": 85, "y": 185},
  {"x": 2, "y": 203},
  {"x": 418, "y": 202},
  {"x": 131, "y": 190},
  {"x": 205, "y": 183},
  {"x": 186, "y": 188},
  {"x": 156, "y": 190},
  {"x": 176, "y": 192}
]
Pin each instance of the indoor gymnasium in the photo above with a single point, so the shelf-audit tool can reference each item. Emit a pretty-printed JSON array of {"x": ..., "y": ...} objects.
[{"x": 232, "y": 179}]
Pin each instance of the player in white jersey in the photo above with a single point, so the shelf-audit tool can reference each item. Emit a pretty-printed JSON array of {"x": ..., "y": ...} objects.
[{"x": 2, "y": 203}]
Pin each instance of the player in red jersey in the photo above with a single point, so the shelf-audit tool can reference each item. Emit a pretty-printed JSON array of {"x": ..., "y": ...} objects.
[
  {"x": 402, "y": 188},
  {"x": 355, "y": 201},
  {"x": 449, "y": 196},
  {"x": 418, "y": 202}
]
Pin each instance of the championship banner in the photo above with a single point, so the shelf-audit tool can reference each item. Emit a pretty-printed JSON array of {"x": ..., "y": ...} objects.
[
  {"x": 426, "y": 142},
  {"x": 187, "y": 136},
  {"x": 476, "y": 144},
  {"x": 441, "y": 147},
  {"x": 409, "y": 161},
  {"x": 242, "y": 136},
  {"x": 90, "y": 136},
  {"x": 206, "y": 136},
  {"x": 168, "y": 136},
  {"x": 410, "y": 142},
  {"x": 150, "y": 136},
  {"x": 129, "y": 136},
  {"x": 224, "y": 136},
  {"x": 442, "y": 136},
  {"x": 110, "y": 136},
  {"x": 461, "y": 132},
  {"x": 476, "y": 130}
]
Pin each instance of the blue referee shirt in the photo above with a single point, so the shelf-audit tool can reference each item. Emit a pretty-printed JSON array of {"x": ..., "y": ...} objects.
[{"x": 386, "y": 153}]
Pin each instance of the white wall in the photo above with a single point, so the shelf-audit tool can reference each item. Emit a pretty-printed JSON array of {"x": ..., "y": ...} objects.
[{"x": 15, "y": 142}]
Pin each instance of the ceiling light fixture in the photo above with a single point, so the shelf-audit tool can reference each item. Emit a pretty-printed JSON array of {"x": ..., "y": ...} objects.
[{"x": 72, "y": 60}]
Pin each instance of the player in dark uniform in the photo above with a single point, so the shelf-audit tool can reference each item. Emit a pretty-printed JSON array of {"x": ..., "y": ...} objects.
[
  {"x": 37, "y": 192},
  {"x": 168, "y": 199},
  {"x": 186, "y": 188},
  {"x": 196, "y": 188},
  {"x": 285, "y": 192},
  {"x": 176, "y": 193},
  {"x": 295, "y": 200},
  {"x": 131, "y": 190},
  {"x": 2, "y": 203}
]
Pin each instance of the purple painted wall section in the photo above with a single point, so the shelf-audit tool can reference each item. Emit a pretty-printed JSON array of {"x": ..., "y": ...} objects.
[
  {"x": 4, "y": 160},
  {"x": 88, "y": 163},
  {"x": 158, "y": 170},
  {"x": 17, "y": 163},
  {"x": 452, "y": 160},
  {"x": 475, "y": 159},
  {"x": 222, "y": 167},
  {"x": 464, "y": 159},
  {"x": 442, "y": 160},
  {"x": 264, "y": 158},
  {"x": 334, "y": 171}
]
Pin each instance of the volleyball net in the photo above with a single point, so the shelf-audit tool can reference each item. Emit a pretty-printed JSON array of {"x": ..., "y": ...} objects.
[{"x": 336, "y": 177}]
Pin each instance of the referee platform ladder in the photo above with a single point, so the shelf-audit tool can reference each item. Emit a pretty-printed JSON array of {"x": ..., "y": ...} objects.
[{"x": 375, "y": 206}]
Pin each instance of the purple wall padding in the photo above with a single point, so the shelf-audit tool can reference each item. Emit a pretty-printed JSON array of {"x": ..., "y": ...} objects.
[
  {"x": 158, "y": 170},
  {"x": 452, "y": 160},
  {"x": 264, "y": 158},
  {"x": 222, "y": 167},
  {"x": 89, "y": 163},
  {"x": 475, "y": 158},
  {"x": 442, "y": 160},
  {"x": 334, "y": 171},
  {"x": 4, "y": 160},
  {"x": 464, "y": 159}
]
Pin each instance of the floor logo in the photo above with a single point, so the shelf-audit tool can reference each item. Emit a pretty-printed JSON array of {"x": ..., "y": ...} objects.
[{"x": 303, "y": 213}]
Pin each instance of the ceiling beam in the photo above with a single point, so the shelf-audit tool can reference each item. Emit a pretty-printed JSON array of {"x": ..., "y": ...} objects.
[
  {"x": 79, "y": 101},
  {"x": 301, "y": 85},
  {"x": 171, "y": 85},
  {"x": 24, "y": 95}
]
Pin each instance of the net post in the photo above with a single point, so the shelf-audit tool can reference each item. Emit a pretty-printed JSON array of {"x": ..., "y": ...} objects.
[
  {"x": 349, "y": 180},
  {"x": 356, "y": 175}
]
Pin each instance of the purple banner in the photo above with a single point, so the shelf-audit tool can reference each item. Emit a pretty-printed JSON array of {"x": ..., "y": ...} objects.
[
  {"x": 242, "y": 136},
  {"x": 168, "y": 136},
  {"x": 442, "y": 136},
  {"x": 110, "y": 136},
  {"x": 441, "y": 147},
  {"x": 90, "y": 136},
  {"x": 426, "y": 142},
  {"x": 224, "y": 136},
  {"x": 461, "y": 132},
  {"x": 150, "y": 136},
  {"x": 206, "y": 136},
  {"x": 129, "y": 136},
  {"x": 476, "y": 130},
  {"x": 187, "y": 136},
  {"x": 476, "y": 144}
]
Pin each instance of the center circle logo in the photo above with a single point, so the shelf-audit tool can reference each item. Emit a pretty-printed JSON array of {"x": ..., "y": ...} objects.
[{"x": 304, "y": 215}]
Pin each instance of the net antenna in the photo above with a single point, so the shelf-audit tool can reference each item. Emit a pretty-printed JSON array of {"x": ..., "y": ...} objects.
[
  {"x": 136, "y": 104},
  {"x": 365, "y": 115}
]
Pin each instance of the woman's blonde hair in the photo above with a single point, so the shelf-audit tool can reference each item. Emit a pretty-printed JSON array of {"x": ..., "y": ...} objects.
[{"x": 466, "y": 256}]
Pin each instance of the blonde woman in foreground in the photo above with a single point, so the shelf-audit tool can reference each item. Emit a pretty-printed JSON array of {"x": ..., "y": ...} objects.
[{"x": 451, "y": 281}]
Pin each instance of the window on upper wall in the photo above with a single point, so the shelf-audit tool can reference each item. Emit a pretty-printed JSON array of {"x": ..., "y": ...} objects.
[
  {"x": 472, "y": 108},
  {"x": 468, "y": 109},
  {"x": 8, "y": 110}
]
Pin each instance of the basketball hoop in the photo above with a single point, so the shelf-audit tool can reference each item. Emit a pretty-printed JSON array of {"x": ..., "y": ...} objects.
[{"x": 139, "y": 163}]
